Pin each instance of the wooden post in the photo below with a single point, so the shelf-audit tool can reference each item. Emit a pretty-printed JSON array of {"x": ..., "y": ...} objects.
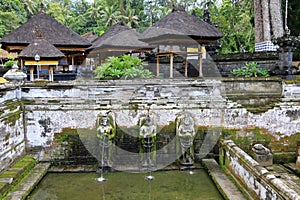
[
  {"x": 157, "y": 62},
  {"x": 186, "y": 64},
  {"x": 50, "y": 74},
  {"x": 38, "y": 70},
  {"x": 157, "y": 65},
  {"x": 72, "y": 62},
  {"x": 200, "y": 61},
  {"x": 31, "y": 73},
  {"x": 171, "y": 61}
]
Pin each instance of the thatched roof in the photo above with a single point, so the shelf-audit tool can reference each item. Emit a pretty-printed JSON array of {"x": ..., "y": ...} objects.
[
  {"x": 181, "y": 25},
  {"x": 41, "y": 47},
  {"x": 53, "y": 31},
  {"x": 90, "y": 36},
  {"x": 115, "y": 29},
  {"x": 120, "y": 37}
]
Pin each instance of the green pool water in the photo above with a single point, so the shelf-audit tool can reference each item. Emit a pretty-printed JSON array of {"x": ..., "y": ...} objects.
[{"x": 120, "y": 185}]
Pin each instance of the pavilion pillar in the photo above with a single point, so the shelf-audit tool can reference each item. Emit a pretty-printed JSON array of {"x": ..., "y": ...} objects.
[
  {"x": 186, "y": 64},
  {"x": 50, "y": 74},
  {"x": 200, "y": 60},
  {"x": 171, "y": 61},
  {"x": 72, "y": 62},
  {"x": 31, "y": 73},
  {"x": 157, "y": 63}
]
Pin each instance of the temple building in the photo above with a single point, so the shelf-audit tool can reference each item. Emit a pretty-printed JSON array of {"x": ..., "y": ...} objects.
[
  {"x": 181, "y": 34},
  {"x": 47, "y": 48},
  {"x": 117, "y": 41}
]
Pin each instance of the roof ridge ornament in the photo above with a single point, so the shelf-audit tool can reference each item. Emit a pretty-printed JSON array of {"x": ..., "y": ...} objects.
[
  {"x": 38, "y": 33},
  {"x": 178, "y": 8},
  {"x": 42, "y": 8},
  {"x": 206, "y": 15}
]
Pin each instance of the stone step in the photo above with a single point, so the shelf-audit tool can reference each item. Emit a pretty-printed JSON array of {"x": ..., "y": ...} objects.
[
  {"x": 222, "y": 181},
  {"x": 28, "y": 184}
]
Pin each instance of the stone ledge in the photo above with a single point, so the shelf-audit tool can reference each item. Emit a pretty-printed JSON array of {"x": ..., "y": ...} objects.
[
  {"x": 246, "y": 168},
  {"x": 221, "y": 180}
]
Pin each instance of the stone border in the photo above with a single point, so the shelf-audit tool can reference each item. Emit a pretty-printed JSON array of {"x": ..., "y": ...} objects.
[{"x": 255, "y": 178}]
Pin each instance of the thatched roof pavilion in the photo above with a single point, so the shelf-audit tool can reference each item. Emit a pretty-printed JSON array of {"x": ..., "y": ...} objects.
[
  {"x": 180, "y": 28},
  {"x": 53, "y": 31},
  {"x": 41, "y": 53},
  {"x": 119, "y": 39},
  {"x": 41, "y": 47},
  {"x": 58, "y": 42}
]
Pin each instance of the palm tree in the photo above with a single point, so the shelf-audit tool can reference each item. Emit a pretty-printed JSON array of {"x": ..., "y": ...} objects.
[
  {"x": 130, "y": 18},
  {"x": 94, "y": 12},
  {"x": 206, "y": 3},
  {"x": 31, "y": 7},
  {"x": 110, "y": 15}
]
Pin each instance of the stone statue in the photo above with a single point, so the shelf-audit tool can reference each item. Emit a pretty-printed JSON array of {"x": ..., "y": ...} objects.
[
  {"x": 106, "y": 133},
  {"x": 186, "y": 133},
  {"x": 147, "y": 135},
  {"x": 262, "y": 155}
]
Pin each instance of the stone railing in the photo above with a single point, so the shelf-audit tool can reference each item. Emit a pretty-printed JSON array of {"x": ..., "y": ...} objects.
[{"x": 258, "y": 180}]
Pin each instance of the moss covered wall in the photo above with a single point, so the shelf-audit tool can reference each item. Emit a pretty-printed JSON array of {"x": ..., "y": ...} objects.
[
  {"x": 12, "y": 134},
  {"x": 265, "y": 104}
]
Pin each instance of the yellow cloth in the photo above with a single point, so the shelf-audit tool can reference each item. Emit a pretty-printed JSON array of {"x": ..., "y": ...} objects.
[{"x": 3, "y": 80}]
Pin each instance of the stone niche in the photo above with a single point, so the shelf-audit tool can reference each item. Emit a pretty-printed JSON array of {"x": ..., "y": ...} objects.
[{"x": 262, "y": 155}]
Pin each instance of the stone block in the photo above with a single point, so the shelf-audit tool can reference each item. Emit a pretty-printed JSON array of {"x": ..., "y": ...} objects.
[
  {"x": 298, "y": 163},
  {"x": 262, "y": 155},
  {"x": 298, "y": 156}
]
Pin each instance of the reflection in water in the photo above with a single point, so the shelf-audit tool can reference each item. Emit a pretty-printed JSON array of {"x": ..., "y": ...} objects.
[{"x": 167, "y": 185}]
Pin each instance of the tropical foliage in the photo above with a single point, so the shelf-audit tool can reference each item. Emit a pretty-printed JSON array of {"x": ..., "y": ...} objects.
[
  {"x": 125, "y": 67},
  {"x": 250, "y": 70}
]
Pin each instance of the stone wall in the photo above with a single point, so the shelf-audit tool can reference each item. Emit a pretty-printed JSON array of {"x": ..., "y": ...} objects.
[
  {"x": 51, "y": 107},
  {"x": 12, "y": 137},
  {"x": 55, "y": 106},
  {"x": 258, "y": 180},
  {"x": 268, "y": 60}
]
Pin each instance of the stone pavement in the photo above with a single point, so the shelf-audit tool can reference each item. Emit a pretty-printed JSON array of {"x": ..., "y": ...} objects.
[
  {"x": 222, "y": 181},
  {"x": 29, "y": 182},
  {"x": 286, "y": 173}
]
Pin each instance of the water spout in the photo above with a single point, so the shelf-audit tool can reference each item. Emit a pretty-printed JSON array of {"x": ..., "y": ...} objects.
[{"x": 101, "y": 178}]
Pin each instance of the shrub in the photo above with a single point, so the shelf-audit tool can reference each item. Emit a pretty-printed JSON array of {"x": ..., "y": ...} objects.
[
  {"x": 250, "y": 70},
  {"x": 126, "y": 67},
  {"x": 9, "y": 63}
]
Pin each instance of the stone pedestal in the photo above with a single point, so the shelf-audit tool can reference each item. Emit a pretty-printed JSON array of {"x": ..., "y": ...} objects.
[
  {"x": 298, "y": 156},
  {"x": 262, "y": 155}
]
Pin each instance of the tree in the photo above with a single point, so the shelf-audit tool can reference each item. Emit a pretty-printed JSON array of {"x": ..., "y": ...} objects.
[
  {"x": 268, "y": 20},
  {"x": 55, "y": 10},
  {"x": 111, "y": 15},
  {"x": 94, "y": 12},
  {"x": 130, "y": 18},
  {"x": 234, "y": 21},
  {"x": 8, "y": 22},
  {"x": 31, "y": 7}
]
